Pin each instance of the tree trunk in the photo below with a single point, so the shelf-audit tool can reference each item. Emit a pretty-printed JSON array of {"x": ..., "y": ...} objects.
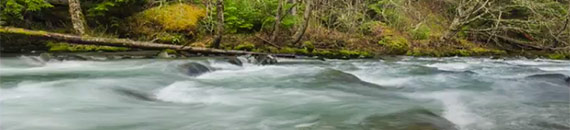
[
  {"x": 77, "y": 19},
  {"x": 220, "y": 24},
  {"x": 277, "y": 22},
  {"x": 306, "y": 18},
  {"x": 117, "y": 42},
  {"x": 453, "y": 30}
]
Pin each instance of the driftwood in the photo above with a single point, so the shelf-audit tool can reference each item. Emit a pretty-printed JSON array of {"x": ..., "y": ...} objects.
[{"x": 118, "y": 42}]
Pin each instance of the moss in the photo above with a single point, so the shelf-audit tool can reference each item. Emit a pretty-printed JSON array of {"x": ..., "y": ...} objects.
[
  {"x": 170, "y": 51},
  {"x": 395, "y": 44},
  {"x": 287, "y": 50},
  {"x": 173, "y": 38},
  {"x": 558, "y": 56},
  {"x": 246, "y": 46},
  {"x": 66, "y": 47},
  {"x": 174, "y": 23},
  {"x": 176, "y": 17},
  {"x": 308, "y": 45}
]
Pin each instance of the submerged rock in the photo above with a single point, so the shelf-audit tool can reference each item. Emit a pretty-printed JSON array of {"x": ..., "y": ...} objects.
[
  {"x": 46, "y": 57},
  {"x": 554, "y": 78},
  {"x": 235, "y": 61},
  {"x": 194, "y": 69},
  {"x": 414, "y": 119},
  {"x": 344, "y": 78}
]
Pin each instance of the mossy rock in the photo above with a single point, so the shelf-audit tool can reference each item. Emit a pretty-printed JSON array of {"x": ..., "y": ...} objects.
[
  {"x": 308, "y": 45},
  {"x": 395, "y": 44}
]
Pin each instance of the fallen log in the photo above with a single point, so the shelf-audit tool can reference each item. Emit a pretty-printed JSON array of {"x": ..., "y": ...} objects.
[{"x": 118, "y": 42}]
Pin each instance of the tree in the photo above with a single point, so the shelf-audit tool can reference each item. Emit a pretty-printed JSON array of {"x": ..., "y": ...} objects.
[
  {"x": 466, "y": 12},
  {"x": 306, "y": 18},
  {"x": 77, "y": 18},
  {"x": 277, "y": 21},
  {"x": 220, "y": 24}
]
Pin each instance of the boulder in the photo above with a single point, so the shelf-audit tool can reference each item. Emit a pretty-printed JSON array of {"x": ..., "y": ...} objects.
[
  {"x": 194, "y": 69},
  {"x": 413, "y": 119},
  {"x": 265, "y": 59}
]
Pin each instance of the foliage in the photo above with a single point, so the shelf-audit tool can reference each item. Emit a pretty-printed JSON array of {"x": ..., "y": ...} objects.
[
  {"x": 421, "y": 33},
  {"x": 252, "y": 15},
  {"x": 15, "y": 9}
]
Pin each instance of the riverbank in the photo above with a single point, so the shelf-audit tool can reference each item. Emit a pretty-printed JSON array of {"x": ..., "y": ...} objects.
[{"x": 365, "y": 29}]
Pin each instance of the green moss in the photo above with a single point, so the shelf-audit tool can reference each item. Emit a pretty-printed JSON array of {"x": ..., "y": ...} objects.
[
  {"x": 308, "y": 45},
  {"x": 170, "y": 51},
  {"x": 246, "y": 46},
  {"x": 66, "y": 47},
  {"x": 557, "y": 56},
  {"x": 395, "y": 44},
  {"x": 287, "y": 50},
  {"x": 173, "y": 38}
]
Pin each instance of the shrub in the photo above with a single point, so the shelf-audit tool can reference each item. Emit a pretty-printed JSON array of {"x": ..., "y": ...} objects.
[
  {"x": 395, "y": 44},
  {"x": 421, "y": 33}
]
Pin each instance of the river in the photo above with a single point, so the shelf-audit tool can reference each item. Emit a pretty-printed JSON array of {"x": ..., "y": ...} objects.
[{"x": 395, "y": 93}]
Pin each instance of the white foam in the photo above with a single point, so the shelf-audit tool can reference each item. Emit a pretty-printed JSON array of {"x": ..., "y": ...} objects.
[
  {"x": 450, "y": 66},
  {"x": 455, "y": 109},
  {"x": 555, "y": 68},
  {"x": 526, "y": 62}
]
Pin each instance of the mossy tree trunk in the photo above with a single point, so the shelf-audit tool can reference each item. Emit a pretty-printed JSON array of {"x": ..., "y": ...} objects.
[
  {"x": 277, "y": 23},
  {"x": 306, "y": 18},
  {"x": 77, "y": 18},
  {"x": 220, "y": 24}
]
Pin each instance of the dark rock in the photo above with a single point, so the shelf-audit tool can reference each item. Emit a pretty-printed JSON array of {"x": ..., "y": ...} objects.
[
  {"x": 134, "y": 94},
  {"x": 265, "y": 59},
  {"x": 414, "y": 119},
  {"x": 194, "y": 69}
]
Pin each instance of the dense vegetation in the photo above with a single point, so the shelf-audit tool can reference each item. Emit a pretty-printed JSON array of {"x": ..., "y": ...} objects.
[{"x": 330, "y": 28}]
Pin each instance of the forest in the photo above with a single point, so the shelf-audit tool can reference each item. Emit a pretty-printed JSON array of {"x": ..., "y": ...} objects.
[{"x": 340, "y": 29}]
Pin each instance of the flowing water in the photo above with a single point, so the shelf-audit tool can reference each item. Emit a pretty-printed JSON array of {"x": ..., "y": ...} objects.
[{"x": 399, "y": 93}]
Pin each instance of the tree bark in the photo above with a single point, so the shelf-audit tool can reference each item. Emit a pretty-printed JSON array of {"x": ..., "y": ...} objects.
[
  {"x": 277, "y": 22},
  {"x": 220, "y": 24},
  {"x": 77, "y": 18},
  {"x": 306, "y": 18},
  {"x": 117, "y": 42}
]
